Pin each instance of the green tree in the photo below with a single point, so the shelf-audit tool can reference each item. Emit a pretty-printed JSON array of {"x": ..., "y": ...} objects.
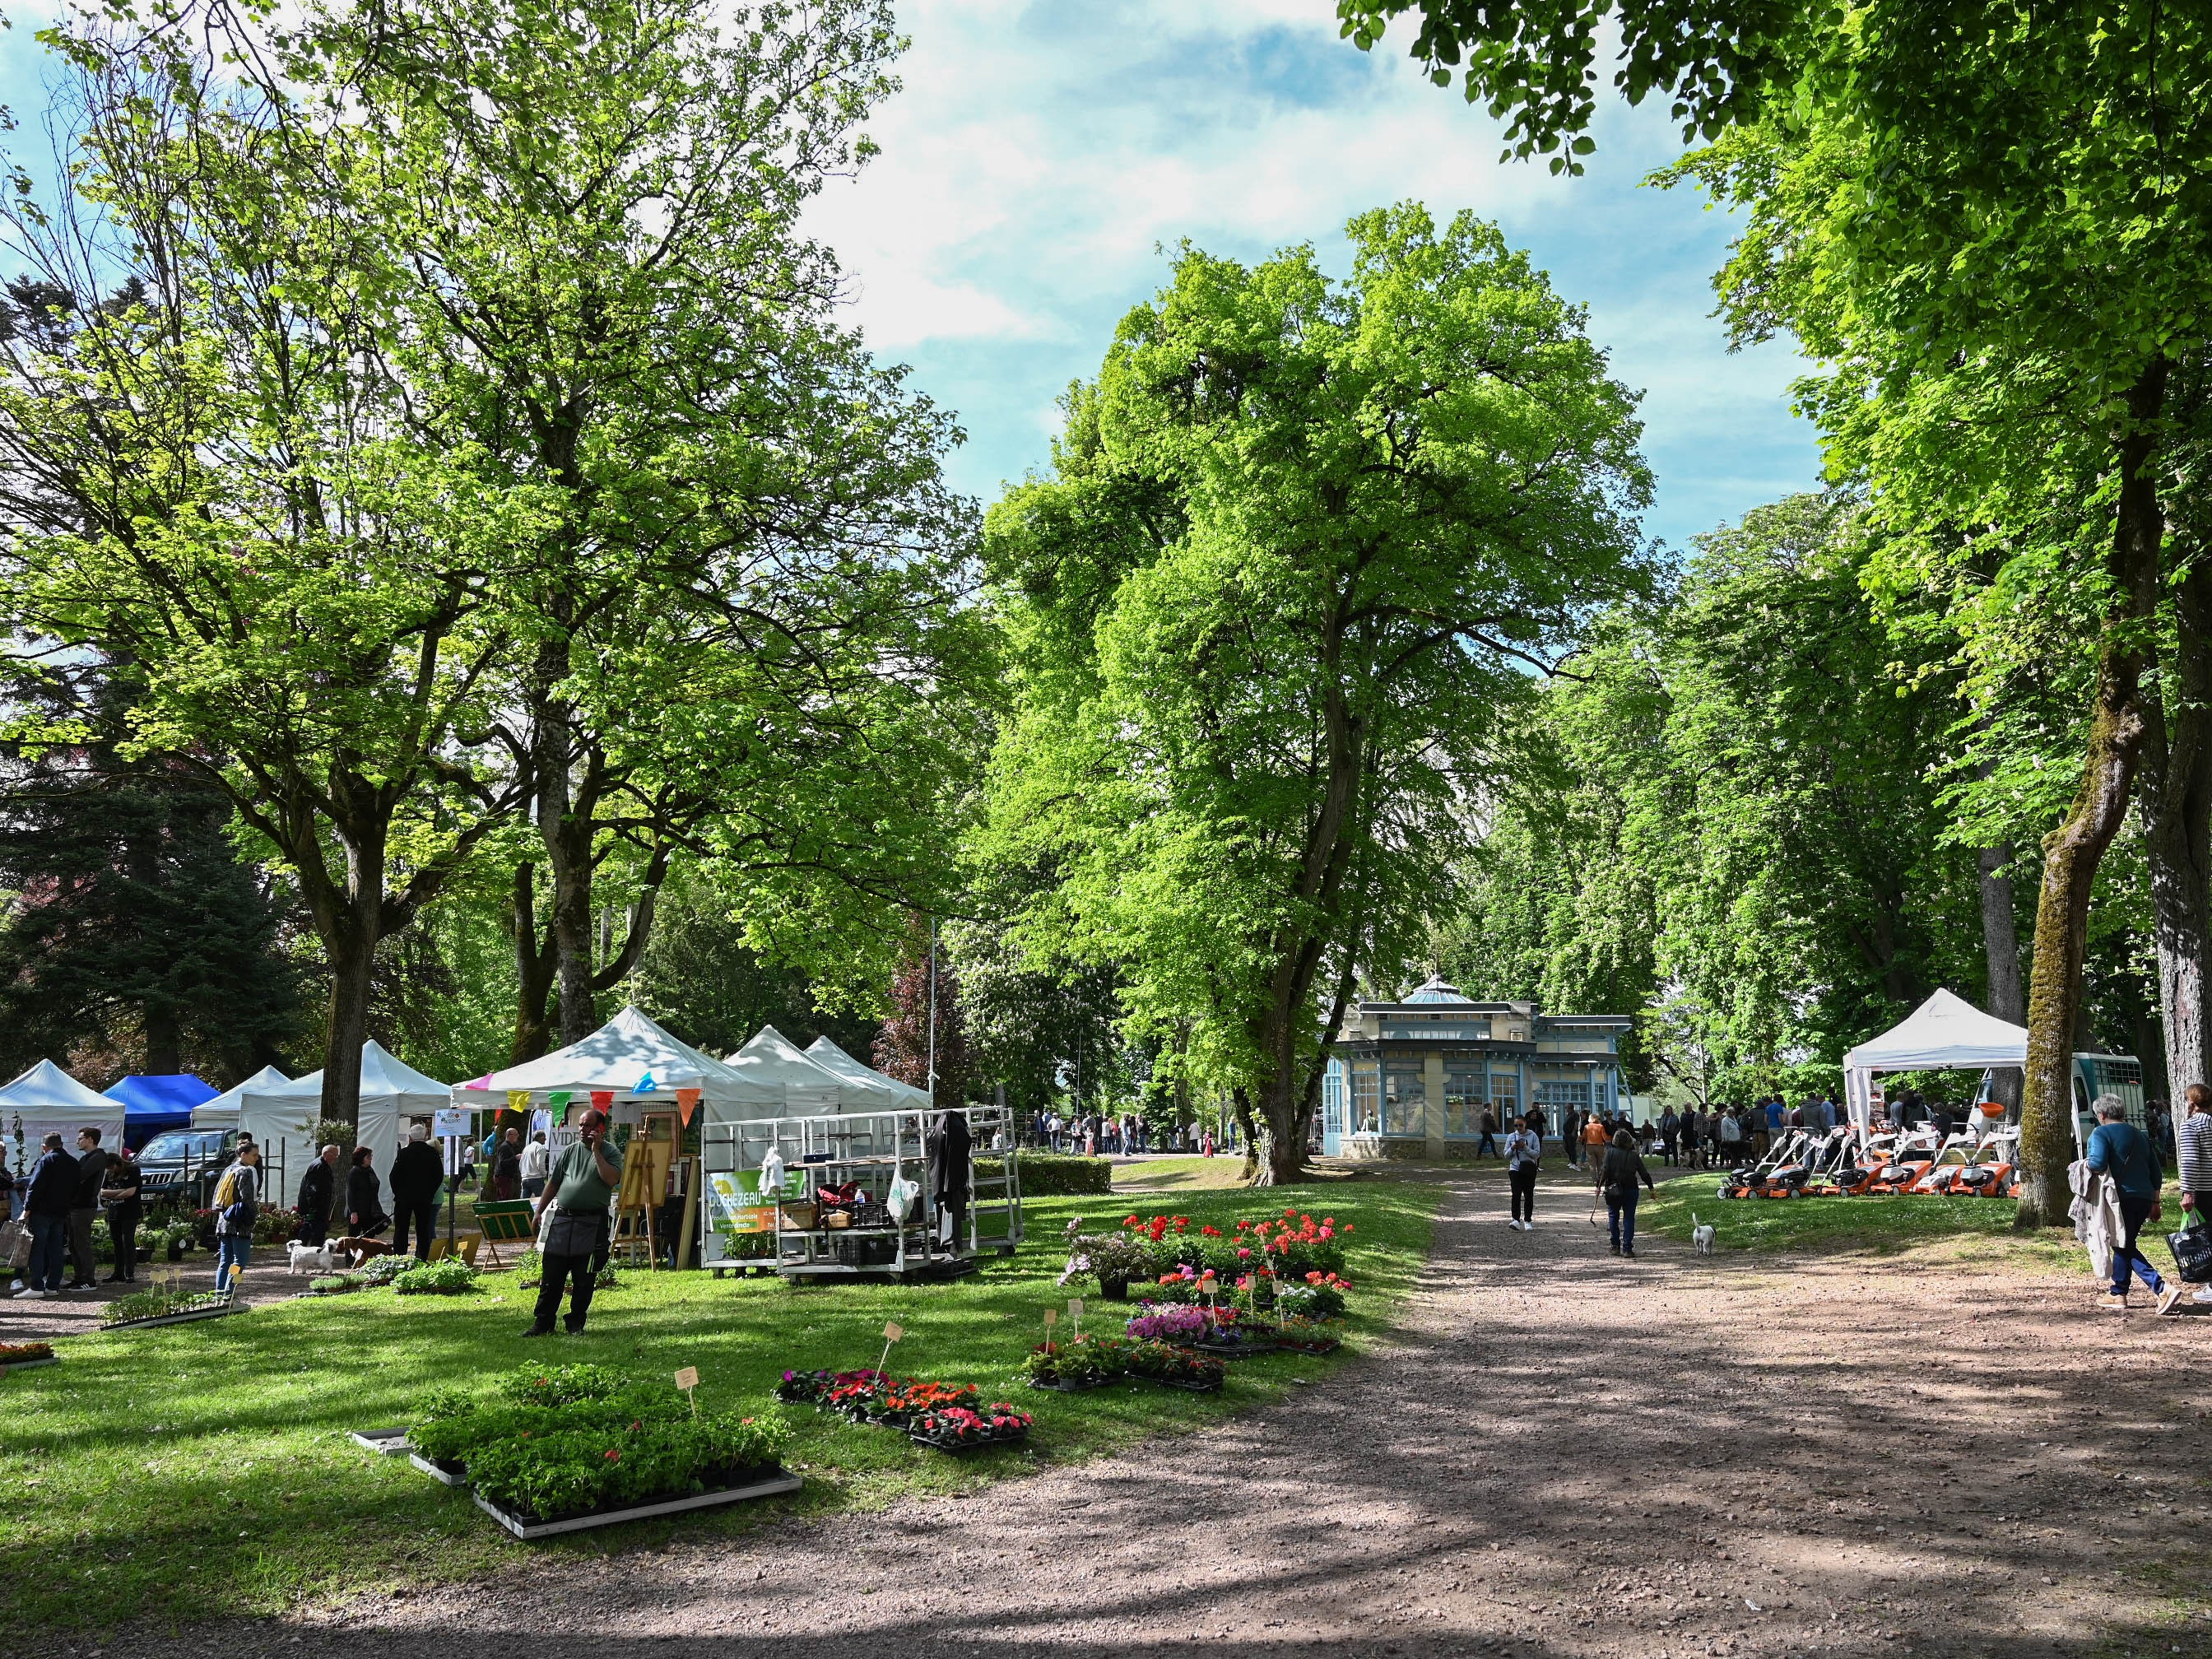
[
  {"x": 1303, "y": 542},
  {"x": 740, "y": 605},
  {"x": 1989, "y": 225},
  {"x": 136, "y": 930},
  {"x": 209, "y": 477}
]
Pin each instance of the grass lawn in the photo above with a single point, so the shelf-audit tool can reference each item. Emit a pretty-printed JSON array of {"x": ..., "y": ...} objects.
[
  {"x": 202, "y": 1469},
  {"x": 1979, "y": 1227},
  {"x": 1180, "y": 1174}
]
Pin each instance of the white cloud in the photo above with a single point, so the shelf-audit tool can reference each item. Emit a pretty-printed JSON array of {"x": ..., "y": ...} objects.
[{"x": 1041, "y": 152}]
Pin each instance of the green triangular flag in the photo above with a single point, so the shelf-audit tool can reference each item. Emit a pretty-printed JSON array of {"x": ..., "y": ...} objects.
[{"x": 559, "y": 1098}]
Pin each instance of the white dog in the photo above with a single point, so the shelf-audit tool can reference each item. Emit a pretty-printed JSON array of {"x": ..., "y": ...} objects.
[
  {"x": 1701, "y": 1234},
  {"x": 312, "y": 1258}
]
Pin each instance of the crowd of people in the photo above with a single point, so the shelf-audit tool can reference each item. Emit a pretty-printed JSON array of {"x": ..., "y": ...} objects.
[{"x": 1094, "y": 1134}]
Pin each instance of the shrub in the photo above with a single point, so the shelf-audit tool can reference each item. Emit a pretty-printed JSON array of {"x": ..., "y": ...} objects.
[
  {"x": 335, "y": 1284},
  {"x": 1056, "y": 1174},
  {"x": 383, "y": 1269},
  {"x": 451, "y": 1277}
]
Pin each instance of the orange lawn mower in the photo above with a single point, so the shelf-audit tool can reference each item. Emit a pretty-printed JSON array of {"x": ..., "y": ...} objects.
[{"x": 1909, "y": 1158}]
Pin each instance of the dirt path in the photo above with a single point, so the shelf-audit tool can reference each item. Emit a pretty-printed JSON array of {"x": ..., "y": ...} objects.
[{"x": 1560, "y": 1455}]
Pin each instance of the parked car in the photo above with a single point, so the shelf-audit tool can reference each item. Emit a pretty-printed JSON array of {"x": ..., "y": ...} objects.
[{"x": 181, "y": 1165}]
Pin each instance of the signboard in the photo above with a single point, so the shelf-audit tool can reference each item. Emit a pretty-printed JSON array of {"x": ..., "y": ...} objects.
[{"x": 452, "y": 1125}]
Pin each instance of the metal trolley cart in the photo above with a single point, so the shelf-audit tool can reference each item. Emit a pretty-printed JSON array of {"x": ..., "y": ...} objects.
[{"x": 883, "y": 1156}]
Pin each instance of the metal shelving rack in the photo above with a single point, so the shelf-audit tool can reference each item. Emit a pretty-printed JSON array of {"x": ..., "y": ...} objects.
[{"x": 874, "y": 1149}]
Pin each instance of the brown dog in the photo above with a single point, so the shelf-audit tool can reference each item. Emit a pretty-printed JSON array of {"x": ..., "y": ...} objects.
[{"x": 362, "y": 1248}]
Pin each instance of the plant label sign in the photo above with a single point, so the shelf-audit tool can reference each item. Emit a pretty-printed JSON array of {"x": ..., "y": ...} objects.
[
  {"x": 688, "y": 1380},
  {"x": 1075, "y": 1313},
  {"x": 1051, "y": 1318},
  {"x": 892, "y": 1332}
]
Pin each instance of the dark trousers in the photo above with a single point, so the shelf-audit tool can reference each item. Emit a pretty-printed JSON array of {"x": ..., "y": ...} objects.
[
  {"x": 2134, "y": 1211},
  {"x": 422, "y": 1212},
  {"x": 1523, "y": 1180},
  {"x": 83, "y": 1270},
  {"x": 554, "y": 1271},
  {"x": 122, "y": 1228},
  {"x": 1620, "y": 1220},
  {"x": 314, "y": 1228},
  {"x": 1488, "y": 1146}
]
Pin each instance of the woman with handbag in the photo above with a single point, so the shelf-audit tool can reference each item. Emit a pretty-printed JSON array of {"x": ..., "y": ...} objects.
[
  {"x": 365, "y": 1216},
  {"x": 2123, "y": 1155},
  {"x": 1622, "y": 1168}
]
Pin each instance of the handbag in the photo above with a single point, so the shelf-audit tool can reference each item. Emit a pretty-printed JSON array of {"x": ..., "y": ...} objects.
[
  {"x": 2193, "y": 1253},
  {"x": 15, "y": 1246}
]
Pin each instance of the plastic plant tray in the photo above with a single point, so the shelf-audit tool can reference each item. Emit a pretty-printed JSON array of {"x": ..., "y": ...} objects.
[{"x": 767, "y": 1485}]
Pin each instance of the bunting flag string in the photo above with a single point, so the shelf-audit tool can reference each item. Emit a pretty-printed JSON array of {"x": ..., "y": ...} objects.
[
  {"x": 518, "y": 1100},
  {"x": 560, "y": 1097},
  {"x": 603, "y": 1099},
  {"x": 687, "y": 1101}
]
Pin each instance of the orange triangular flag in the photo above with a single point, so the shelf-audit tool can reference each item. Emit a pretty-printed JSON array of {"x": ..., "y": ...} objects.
[{"x": 687, "y": 1101}]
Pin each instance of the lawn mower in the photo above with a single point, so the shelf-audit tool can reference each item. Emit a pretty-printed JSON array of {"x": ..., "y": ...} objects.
[{"x": 1910, "y": 1157}]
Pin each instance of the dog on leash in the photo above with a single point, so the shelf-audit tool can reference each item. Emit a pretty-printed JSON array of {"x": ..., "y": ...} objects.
[
  {"x": 358, "y": 1250},
  {"x": 1701, "y": 1234},
  {"x": 311, "y": 1258}
]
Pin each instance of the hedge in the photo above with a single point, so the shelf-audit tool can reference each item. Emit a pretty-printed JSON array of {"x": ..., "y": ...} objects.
[{"x": 1056, "y": 1174}]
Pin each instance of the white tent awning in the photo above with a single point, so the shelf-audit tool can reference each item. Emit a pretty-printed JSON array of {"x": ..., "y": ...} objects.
[
  {"x": 882, "y": 1090},
  {"x": 774, "y": 1062},
  {"x": 391, "y": 1090},
  {"x": 46, "y": 1099},
  {"x": 632, "y": 1058},
  {"x": 222, "y": 1112},
  {"x": 1945, "y": 1032}
]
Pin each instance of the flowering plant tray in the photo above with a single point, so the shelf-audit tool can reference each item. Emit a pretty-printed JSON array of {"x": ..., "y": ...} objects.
[
  {"x": 1212, "y": 1386},
  {"x": 27, "y": 1365},
  {"x": 390, "y": 1442},
  {"x": 769, "y": 1482},
  {"x": 1317, "y": 1344},
  {"x": 450, "y": 1474},
  {"x": 962, "y": 1448},
  {"x": 185, "y": 1318},
  {"x": 1057, "y": 1386}
]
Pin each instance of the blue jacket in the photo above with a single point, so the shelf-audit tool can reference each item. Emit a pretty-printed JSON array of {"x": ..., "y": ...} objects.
[
  {"x": 2124, "y": 1152},
  {"x": 53, "y": 1185}
]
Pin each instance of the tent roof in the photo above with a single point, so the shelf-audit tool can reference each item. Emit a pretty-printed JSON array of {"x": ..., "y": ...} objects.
[
  {"x": 1943, "y": 1031},
  {"x": 617, "y": 1057},
  {"x": 829, "y": 1055},
  {"x": 259, "y": 1083},
  {"x": 50, "y": 1091},
  {"x": 775, "y": 1061},
  {"x": 383, "y": 1075},
  {"x": 172, "y": 1095}
]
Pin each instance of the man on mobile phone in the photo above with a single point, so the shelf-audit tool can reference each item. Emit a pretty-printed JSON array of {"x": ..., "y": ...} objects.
[{"x": 580, "y": 1189}]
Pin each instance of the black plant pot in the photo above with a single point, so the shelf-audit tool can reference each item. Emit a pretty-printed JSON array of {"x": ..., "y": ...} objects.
[
  {"x": 1113, "y": 1290},
  {"x": 176, "y": 1249}
]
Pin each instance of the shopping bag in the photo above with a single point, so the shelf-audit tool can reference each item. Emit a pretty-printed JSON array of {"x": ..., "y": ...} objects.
[
  {"x": 2192, "y": 1254},
  {"x": 15, "y": 1246}
]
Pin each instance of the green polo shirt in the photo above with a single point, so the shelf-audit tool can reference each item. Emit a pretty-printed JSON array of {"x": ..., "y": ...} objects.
[{"x": 576, "y": 1181}]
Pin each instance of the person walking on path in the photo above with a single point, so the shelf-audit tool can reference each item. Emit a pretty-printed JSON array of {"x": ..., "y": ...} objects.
[
  {"x": 48, "y": 1195},
  {"x": 1595, "y": 1139},
  {"x": 417, "y": 1172},
  {"x": 1524, "y": 1150},
  {"x": 2123, "y": 1155},
  {"x": 91, "y": 1175},
  {"x": 237, "y": 1205},
  {"x": 1670, "y": 1126},
  {"x": 583, "y": 1183},
  {"x": 2192, "y": 1141},
  {"x": 364, "y": 1200},
  {"x": 318, "y": 1193},
  {"x": 1622, "y": 1169},
  {"x": 1488, "y": 1146},
  {"x": 120, "y": 1192}
]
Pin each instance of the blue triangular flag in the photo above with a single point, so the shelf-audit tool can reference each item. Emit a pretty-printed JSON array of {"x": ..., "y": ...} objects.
[{"x": 644, "y": 1084}]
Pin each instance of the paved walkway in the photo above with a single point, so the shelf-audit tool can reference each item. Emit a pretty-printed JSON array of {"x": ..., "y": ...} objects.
[{"x": 1559, "y": 1455}]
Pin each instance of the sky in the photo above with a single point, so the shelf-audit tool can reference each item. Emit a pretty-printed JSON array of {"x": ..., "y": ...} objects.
[{"x": 1046, "y": 157}]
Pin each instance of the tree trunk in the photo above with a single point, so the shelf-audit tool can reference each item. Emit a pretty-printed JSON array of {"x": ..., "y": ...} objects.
[
  {"x": 165, "y": 1043},
  {"x": 2072, "y": 852},
  {"x": 2007, "y": 999},
  {"x": 534, "y": 971},
  {"x": 352, "y": 954},
  {"x": 2177, "y": 820}
]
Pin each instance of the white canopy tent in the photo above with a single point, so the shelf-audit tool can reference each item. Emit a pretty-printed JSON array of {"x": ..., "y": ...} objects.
[
  {"x": 46, "y": 1099},
  {"x": 1943, "y": 1033},
  {"x": 881, "y": 1089},
  {"x": 282, "y": 1116},
  {"x": 807, "y": 1090},
  {"x": 222, "y": 1112},
  {"x": 634, "y": 1059}
]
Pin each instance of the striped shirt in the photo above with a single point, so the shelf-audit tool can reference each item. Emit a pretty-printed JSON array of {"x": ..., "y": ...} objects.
[{"x": 2194, "y": 1139}]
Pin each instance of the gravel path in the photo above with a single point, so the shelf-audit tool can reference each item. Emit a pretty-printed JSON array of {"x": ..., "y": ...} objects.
[{"x": 1559, "y": 1454}]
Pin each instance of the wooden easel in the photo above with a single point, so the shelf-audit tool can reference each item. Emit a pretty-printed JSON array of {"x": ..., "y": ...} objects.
[{"x": 646, "y": 1161}]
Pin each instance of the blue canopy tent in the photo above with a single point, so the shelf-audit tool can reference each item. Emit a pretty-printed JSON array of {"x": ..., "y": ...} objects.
[{"x": 151, "y": 1104}]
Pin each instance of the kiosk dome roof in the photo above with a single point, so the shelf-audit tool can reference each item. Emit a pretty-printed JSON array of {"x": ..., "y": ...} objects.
[{"x": 1440, "y": 990}]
